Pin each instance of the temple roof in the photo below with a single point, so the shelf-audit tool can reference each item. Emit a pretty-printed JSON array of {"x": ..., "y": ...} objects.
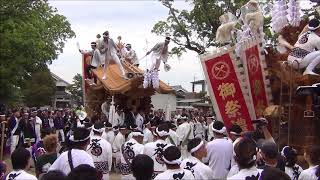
[{"x": 116, "y": 84}]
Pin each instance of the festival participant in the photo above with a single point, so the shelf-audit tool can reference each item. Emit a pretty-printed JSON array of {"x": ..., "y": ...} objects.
[
  {"x": 20, "y": 160},
  {"x": 235, "y": 132},
  {"x": 199, "y": 127},
  {"x": 14, "y": 129},
  {"x": 198, "y": 150},
  {"x": 272, "y": 174},
  {"x": 306, "y": 50},
  {"x": 108, "y": 133},
  {"x": 159, "y": 53},
  {"x": 140, "y": 118},
  {"x": 45, "y": 119},
  {"x": 129, "y": 150},
  {"x": 37, "y": 125},
  {"x": 59, "y": 126},
  {"x": 109, "y": 50},
  {"x": 120, "y": 47},
  {"x": 95, "y": 60},
  {"x": 210, "y": 121},
  {"x": 44, "y": 161},
  {"x": 219, "y": 151},
  {"x": 142, "y": 167},
  {"x": 245, "y": 156},
  {"x": 292, "y": 168},
  {"x": 184, "y": 132},
  {"x": 172, "y": 159},
  {"x": 100, "y": 151},
  {"x": 131, "y": 55},
  {"x": 148, "y": 136},
  {"x": 38, "y": 148},
  {"x": 270, "y": 156},
  {"x": 119, "y": 140},
  {"x": 54, "y": 175},
  {"x": 130, "y": 116},
  {"x": 84, "y": 172},
  {"x": 77, "y": 155},
  {"x": 155, "y": 149},
  {"x": 312, "y": 156},
  {"x": 27, "y": 130},
  {"x": 173, "y": 137}
]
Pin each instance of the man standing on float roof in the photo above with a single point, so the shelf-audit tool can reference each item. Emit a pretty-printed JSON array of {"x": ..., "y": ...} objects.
[
  {"x": 109, "y": 49},
  {"x": 159, "y": 53}
]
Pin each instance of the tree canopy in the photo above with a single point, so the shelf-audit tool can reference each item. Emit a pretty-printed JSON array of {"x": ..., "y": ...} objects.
[
  {"x": 76, "y": 89},
  {"x": 194, "y": 30},
  {"x": 33, "y": 34}
]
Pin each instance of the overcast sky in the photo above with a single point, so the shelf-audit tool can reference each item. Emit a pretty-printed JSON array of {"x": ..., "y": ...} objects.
[{"x": 133, "y": 20}]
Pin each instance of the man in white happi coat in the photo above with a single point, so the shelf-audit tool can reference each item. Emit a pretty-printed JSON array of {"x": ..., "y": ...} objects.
[
  {"x": 198, "y": 150},
  {"x": 108, "y": 133},
  {"x": 210, "y": 121},
  {"x": 185, "y": 134},
  {"x": 155, "y": 149},
  {"x": 131, "y": 56},
  {"x": 199, "y": 127},
  {"x": 148, "y": 135},
  {"x": 220, "y": 152},
  {"x": 100, "y": 151},
  {"x": 109, "y": 50},
  {"x": 172, "y": 158},
  {"x": 77, "y": 155},
  {"x": 173, "y": 137},
  {"x": 307, "y": 49},
  {"x": 159, "y": 53},
  {"x": 119, "y": 140},
  {"x": 37, "y": 125},
  {"x": 129, "y": 150},
  {"x": 140, "y": 118},
  {"x": 96, "y": 59}
]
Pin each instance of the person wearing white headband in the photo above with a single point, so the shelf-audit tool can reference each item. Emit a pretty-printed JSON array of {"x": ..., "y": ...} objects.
[
  {"x": 129, "y": 150},
  {"x": 148, "y": 136},
  {"x": 173, "y": 137},
  {"x": 235, "y": 132},
  {"x": 198, "y": 150},
  {"x": 100, "y": 151},
  {"x": 119, "y": 140},
  {"x": 159, "y": 53},
  {"x": 307, "y": 49},
  {"x": 185, "y": 134},
  {"x": 155, "y": 149},
  {"x": 172, "y": 158},
  {"x": 77, "y": 155},
  {"x": 220, "y": 151},
  {"x": 109, "y": 50},
  {"x": 108, "y": 134},
  {"x": 245, "y": 156}
]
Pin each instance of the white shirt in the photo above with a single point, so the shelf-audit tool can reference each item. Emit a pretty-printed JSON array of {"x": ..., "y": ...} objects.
[
  {"x": 308, "y": 41},
  {"x": 37, "y": 128},
  {"x": 109, "y": 136},
  {"x": 174, "y": 137},
  {"x": 101, "y": 153},
  {"x": 20, "y": 175},
  {"x": 175, "y": 174},
  {"x": 154, "y": 150},
  {"x": 131, "y": 149},
  {"x": 309, "y": 174},
  {"x": 117, "y": 143},
  {"x": 243, "y": 173},
  {"x": 78, "y": 157},
  {"x": 148, "y": 136},
  {"x": 199, "y": 130},
  {"x": 198, "y": 169},
  {"x": 184, "y": 132},
  {"x": 210, "y": 132},
  {"x": 220, "y": 153},
  {"x": 139, "y": 122},
  {"x": 291, "y": 173}
]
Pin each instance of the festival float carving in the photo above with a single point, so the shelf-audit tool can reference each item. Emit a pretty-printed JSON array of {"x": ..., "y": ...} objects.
[{"x": 261, "y": 75}]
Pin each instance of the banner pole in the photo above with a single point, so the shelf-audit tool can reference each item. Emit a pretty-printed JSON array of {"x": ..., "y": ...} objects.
[{"x": 3, "y": 127}]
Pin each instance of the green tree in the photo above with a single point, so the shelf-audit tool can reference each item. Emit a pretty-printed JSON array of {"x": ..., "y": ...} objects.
[
  {"x": 39, "y": 88},
  {"x": 194, "y": 30},
  {"x": 76, "y": 89},
  {"x": 32, "y": 35}
]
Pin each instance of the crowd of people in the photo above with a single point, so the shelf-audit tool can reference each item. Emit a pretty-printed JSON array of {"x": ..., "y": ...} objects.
[{"x": 65, "y": 144}]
